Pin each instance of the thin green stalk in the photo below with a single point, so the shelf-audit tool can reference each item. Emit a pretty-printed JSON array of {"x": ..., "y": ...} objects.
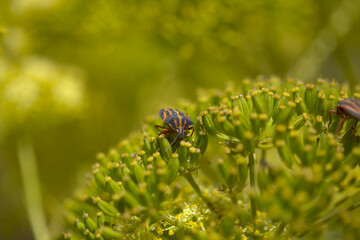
[
  {"x": 195, "y": 186},
  {"x": 33, "y": 201},
  {"x": 252, "y": 184}
]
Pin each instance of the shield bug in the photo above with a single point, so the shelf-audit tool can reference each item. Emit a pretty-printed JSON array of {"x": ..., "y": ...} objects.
[
  {"x": 177, "y": 121},
  {"x": 347, "y": 108}
]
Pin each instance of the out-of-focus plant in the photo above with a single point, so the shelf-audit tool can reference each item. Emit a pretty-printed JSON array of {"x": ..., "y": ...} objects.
[
  {"x": 36, "y": 93},
  {"x": 283, "y": 171}
]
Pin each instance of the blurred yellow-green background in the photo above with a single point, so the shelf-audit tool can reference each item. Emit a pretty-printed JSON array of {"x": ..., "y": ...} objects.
[{"x": 78, "y": 76}]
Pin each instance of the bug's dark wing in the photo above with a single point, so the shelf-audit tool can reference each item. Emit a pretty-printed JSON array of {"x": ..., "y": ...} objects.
[
  {"x": 172, "y": 121},
  {"x": 166, "y": 112},
  {"x": 351, "y": 106},
  {"x": 186, "y": 120}
]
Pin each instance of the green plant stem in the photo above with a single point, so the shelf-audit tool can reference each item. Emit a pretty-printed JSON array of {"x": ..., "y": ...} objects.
[
  {"x": 252, "y": 185},
  {"x": 195, "y": 186},
  {"x": 31, "y": 183}
]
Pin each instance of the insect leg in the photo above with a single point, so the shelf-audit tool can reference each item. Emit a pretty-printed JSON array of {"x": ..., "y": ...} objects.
[
  {"x": 164, "y": 130},
  {"x": 193, "y": 129},
  {"x": 173, "y": 142},
  {"x": 158, "y": 126},
  {"x": 341, "y": 121}
]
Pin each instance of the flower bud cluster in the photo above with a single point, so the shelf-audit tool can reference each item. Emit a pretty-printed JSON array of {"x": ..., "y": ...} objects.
[{"x": 285, "y": 171}]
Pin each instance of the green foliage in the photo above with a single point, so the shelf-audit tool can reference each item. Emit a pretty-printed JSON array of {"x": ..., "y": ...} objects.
[{"x": 277, "y": 170}]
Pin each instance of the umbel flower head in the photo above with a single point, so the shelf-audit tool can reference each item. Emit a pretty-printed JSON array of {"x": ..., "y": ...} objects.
[{"x": 263, "y": 163}]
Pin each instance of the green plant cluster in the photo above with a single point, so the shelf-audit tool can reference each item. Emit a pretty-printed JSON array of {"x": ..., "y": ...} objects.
[{"x": 284, "y": 172}]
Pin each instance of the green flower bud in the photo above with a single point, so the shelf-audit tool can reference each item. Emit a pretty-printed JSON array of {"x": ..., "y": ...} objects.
[
  {"x": 89, "y": 223},
  {"x": 183, "y": 153},
  {"x": 99, "y": 179},
  {"x": 228, "y": 174},
  {"x": 79, "y": 226},
  {"x": 310, "y": 95},
  {"x": 148, "y": 148},
  {"x": 150, "y": 178},
  {"x": 297, "y": 122},
  {"x": 142, "y": 157},
  {"x": 115, "y": 171},
  {"x": 255, "y": 123},
  {"x": 249, "y": 141},
  {"x": 249, "y": 102},
  {"x": 329, "y": 104},
  {"x": 208, "y": 123},
  {"x": 319, "y": 103},
  {"x": 195, "y": 155},
  {"x": 68, "y": 236},
  {"x": 309, "y": 134},
  {"x": 125, "y": 158},
  {"x": 100, "y": 218},
  {"x": 105, "y": 207},
  {"x": 89, "y": 235},
  {"x": 258, "y": 101},
  {"x": 300, "y": 105},
  {"x": 98, "y": 236},
  {"x": 145, "y": 198},
  {"x": 280, "y": 104},
  {"x": 226, "y": 125},
  {"x": 112, "y": 186},
  {"x": 109, "y": 233},
  {"x": 202, "y": 141},
  {"x": 216, "y": 118},
  {"x": 239, "y": 130},
  {"x": 243, "y": 170},
  {"x": 319, "y": 124},
  {"x": 309, "y": 156},
  {"x": 284, "y": 151},
  {"x": 165, "y": 148},
  {"x": 258, "y": 121},
  {"x": 139, "y": 173},
  {"x": 285, "y": 113},
  {"x": 242, "y": 106},
  {"x": 161, "y": 172},
  {"x": 173, "y": 168},
  {"x": 296, "y": 143},
  {"x": 131, "y": 186},
  {"x": 269, "y": 103}
]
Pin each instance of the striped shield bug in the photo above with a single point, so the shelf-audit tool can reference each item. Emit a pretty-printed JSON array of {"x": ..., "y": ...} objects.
[
  {"x": 347, "y": 108},
  {"x": 177, "y": 121}
]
